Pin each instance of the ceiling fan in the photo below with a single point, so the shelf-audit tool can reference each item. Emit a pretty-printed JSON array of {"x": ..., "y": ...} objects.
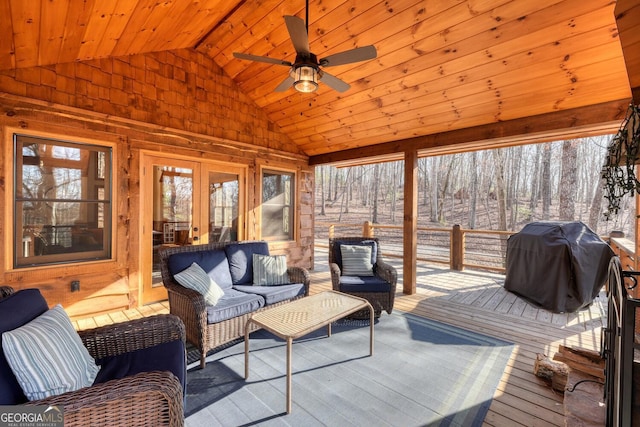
[{"x": 305, "y": 71}]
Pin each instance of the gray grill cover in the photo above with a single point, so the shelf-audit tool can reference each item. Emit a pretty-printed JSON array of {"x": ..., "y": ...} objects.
[{"x": 559, "y": 266}]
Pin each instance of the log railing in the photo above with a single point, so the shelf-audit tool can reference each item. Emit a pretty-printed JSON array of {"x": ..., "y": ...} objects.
[{"x": 456, "y": 246}]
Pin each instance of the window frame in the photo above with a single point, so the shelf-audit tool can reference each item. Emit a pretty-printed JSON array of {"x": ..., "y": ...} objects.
[
  {"x": 14, "y": 216},
  {"x": 293, "y": 235}
]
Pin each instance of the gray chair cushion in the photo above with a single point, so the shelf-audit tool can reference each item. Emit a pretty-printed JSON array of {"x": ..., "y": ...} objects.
[
  {"x": 273, "y": 294},
  {"x": 233, "y": 304}
]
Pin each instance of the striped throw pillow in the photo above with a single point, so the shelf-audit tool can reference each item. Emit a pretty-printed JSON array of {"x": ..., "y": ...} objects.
[
  {"x": 356, "y": 260},
  {"x": 269, "y": 270},
  {"x": 194, "y": 277},
  {"x": 47, "y": 356}
]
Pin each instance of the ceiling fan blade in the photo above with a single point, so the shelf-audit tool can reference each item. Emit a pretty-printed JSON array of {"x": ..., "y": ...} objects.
[
  {"x": 286, "y": 84},
  {"x": 298, "y": 33},
  {"x": 363, "y": 53},
  {"x": 261, "y": 59},
  {"x": 333, "y": 82}
]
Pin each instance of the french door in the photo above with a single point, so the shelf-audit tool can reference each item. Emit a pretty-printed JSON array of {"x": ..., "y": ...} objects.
[{"x": 185, "y": 202}]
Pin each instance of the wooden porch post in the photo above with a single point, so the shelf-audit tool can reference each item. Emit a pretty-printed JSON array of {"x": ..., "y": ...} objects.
[
  {"x": 410, "y": 223},
  {"x": 457, "y": 248},
  {"x": 367, "y": 229}
]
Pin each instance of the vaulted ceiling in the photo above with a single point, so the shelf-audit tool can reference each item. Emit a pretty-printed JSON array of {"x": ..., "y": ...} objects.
[{"x": 442, "y": 65}]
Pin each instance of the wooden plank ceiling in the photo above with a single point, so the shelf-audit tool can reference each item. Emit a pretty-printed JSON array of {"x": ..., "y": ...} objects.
[{"x": 442, "y": 65}]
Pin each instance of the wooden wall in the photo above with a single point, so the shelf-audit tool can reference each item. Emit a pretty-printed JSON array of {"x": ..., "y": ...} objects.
[{"x": 176, "y": 102}]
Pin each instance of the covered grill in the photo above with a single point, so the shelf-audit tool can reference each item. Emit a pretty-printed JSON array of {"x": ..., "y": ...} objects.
[{"x": 559, "y": 266}]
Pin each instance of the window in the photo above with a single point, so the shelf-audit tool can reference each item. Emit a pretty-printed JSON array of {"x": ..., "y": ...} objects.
[
  {"x": 62, "y": 205},
  {"x": 277, "y": 205}
]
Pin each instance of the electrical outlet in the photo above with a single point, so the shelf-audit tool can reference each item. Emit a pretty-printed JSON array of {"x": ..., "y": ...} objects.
[{"x": 75, "y": 285}]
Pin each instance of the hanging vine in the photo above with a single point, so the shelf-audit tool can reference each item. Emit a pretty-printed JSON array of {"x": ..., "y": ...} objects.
[{"x": 618, "y": 172}]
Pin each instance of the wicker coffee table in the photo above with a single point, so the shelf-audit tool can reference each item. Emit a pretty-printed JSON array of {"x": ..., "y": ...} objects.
[{"x": 300, "y": 317}]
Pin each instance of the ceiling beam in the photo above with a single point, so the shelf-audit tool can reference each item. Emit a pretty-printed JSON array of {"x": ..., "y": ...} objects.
[
  {"x": 628, "y": 21},
  {"x": 580, "y": 122}
]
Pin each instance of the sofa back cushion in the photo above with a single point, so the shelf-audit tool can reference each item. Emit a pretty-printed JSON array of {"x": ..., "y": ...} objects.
[
  {"x": 15, "y": 311},
  {"x": 240, "y": 256},
  {"x": 213, "y": 261}
]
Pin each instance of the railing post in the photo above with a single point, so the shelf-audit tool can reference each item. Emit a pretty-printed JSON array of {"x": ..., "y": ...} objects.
[
  {"x": 332, "y": 230},
  {"x": 367, "y": 229},
  {"x": 457, "y": 248}
]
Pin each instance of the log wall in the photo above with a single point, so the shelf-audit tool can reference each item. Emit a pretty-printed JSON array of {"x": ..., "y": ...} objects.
[{"x": 178, "y": 103}]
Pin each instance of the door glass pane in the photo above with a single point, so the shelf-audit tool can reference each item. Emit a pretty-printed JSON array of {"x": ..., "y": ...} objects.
[
  {"x": 223, "y": 207},
  {"x": 277, "y": 203},
  {"x": 172, "y": 211}
]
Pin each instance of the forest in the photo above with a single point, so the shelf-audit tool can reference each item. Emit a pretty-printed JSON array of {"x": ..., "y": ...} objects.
[{"x": 499, "y": 189}]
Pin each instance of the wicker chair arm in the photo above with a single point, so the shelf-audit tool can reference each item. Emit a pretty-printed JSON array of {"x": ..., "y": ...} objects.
[
  {"x": 119, "y": 338},
  {"x": 387, "y": 272},
  {"x": 335, "y": 276},
  {"x": 148, "y": 398},
  {"x": 189, "y": 306},
  {"x": 300, "y": 275}
]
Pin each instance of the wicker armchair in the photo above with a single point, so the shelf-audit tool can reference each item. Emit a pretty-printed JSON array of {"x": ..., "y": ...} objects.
[
  {"x": 383, "y": 297},
  {"x": 148, "y": 398},
  {"x": 189, "y": 305}
]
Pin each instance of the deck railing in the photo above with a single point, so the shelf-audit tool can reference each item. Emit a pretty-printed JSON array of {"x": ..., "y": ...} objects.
[{"x": 456, "y": 247}]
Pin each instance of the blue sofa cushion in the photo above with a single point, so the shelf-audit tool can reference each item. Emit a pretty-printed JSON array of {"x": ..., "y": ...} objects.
[
  {"x": 16, "y": 310},
  {"x": 363, "y": 284},
  {"x": 337, "y": 252},
  {"x": 233, "y": 304},
  {"x": 240, "y": 256},
  {"x": 168, "y": 356},
  {"x": 213, "y": 261},
  {"x": 273, "y": 294}
]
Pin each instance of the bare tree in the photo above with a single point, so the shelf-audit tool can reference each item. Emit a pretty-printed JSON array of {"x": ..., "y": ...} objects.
[
  {"x": 501, "y": 193},
  {"x": 534, "y": 192},
  {"x": 546, "y": 181},
  {"x": 376, "y": 188},
  {"x": 567, "y": 187},
  {"x": 483, "y": 189},
  {"x": 322, "y": 200},
  {"x": 595, "y": 211},
  {"x": 344, "y": 203},
  {"x": 434, "y": 189},
  {"x": 473, "y": 190}
]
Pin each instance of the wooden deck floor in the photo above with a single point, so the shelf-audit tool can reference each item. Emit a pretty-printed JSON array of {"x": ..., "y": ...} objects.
[{"x": 478, "y": 302}]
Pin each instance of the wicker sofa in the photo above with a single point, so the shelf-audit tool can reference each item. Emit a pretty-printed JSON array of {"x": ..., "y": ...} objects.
[
  {"x": 379, "y": 288},
  {"x": 124, "y": 393},
  {"x": 229, "y": 264}
]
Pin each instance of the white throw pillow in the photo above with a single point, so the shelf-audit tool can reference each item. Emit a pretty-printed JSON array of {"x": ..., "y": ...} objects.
[
  {"x": 269, "y": 270},
  {"x": 47, "y": 356},
  {"x": 356, "y": 260},
  {"x": 194, "y": 277}
]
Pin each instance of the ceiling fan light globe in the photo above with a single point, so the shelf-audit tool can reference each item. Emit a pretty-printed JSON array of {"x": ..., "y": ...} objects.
[{"x": 305, "y": 79}]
